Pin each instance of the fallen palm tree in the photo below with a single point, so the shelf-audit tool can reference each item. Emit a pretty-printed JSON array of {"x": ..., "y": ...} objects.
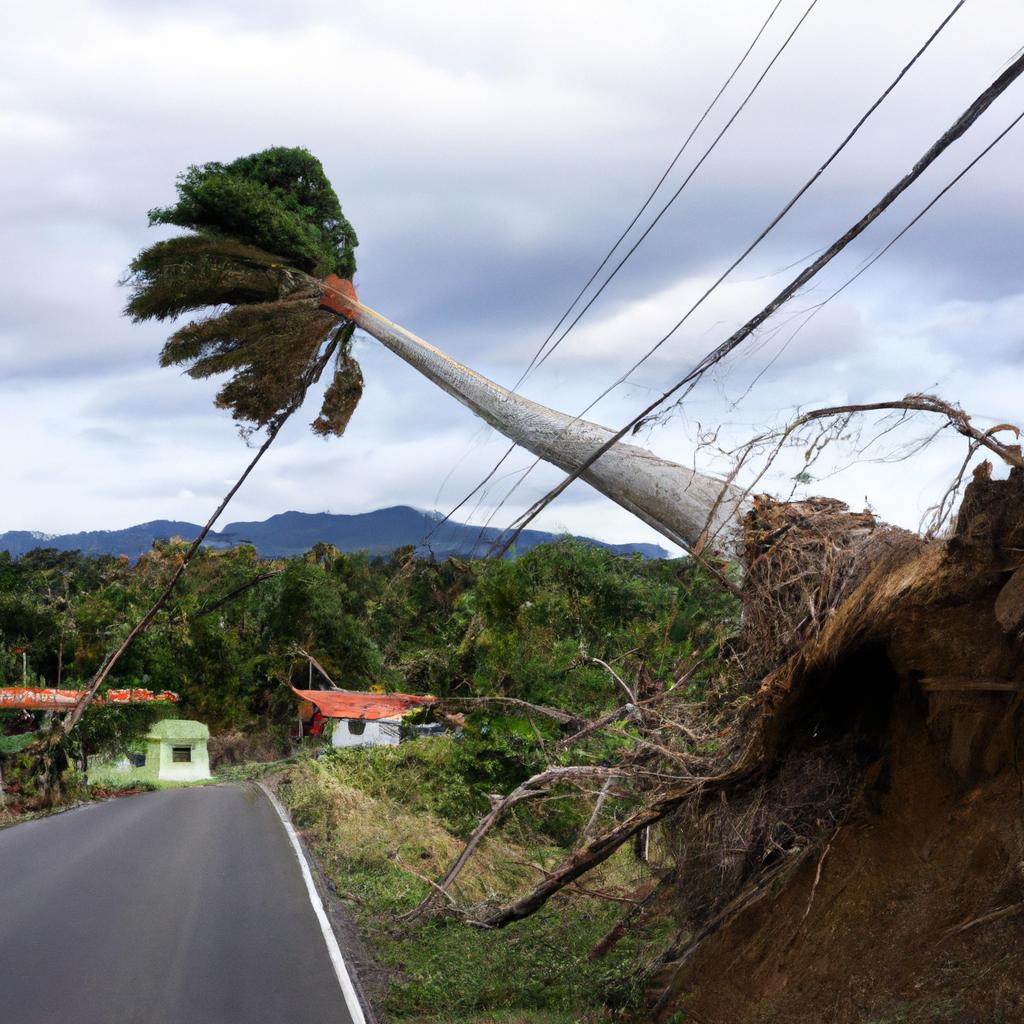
[
  {"x": 856, "y": 624},
  {"x": 810, "y": 567},
  {"x": 272, "y": 255}
]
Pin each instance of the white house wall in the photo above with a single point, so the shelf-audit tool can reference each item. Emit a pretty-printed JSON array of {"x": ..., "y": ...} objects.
[
  {"x": 169, "y": 770},
  {"x": 385, "y": 732}
]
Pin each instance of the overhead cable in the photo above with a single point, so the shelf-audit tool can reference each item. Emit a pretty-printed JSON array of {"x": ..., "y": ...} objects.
[
  {"x": 739, "y": 259},
  {"x": 959, "y": 127},
  {"x": 541, "y": 355},
  {"x": 654, "y": 191}
]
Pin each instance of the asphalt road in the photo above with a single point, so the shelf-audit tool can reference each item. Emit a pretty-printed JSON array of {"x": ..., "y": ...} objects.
[{"x": 183, "y": 906}]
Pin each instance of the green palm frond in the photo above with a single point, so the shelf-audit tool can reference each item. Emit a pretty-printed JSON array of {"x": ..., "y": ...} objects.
[{"x": 261, "y": 227}]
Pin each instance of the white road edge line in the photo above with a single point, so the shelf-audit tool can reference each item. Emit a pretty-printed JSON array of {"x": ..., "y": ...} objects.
[{"x": 355, "y": 1008}]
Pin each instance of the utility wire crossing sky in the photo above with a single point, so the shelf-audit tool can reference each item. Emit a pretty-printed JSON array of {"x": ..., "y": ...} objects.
[{"x": 488, "y": 157}]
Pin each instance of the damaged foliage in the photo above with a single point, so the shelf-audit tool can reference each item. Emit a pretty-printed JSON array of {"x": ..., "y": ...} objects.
[
  {"x": 262, "y": 226},
  {"x": 872, "y": 645}
]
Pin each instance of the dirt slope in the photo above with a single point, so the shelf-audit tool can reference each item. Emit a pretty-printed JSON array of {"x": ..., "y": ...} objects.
[{"x": 914, "y": 911}]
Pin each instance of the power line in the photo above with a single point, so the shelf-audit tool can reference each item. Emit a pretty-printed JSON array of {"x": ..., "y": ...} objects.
[
  {"x": 814, "y": 310},
  {"x": 785, "y": 210},
  {"x": 981, "y": 103},
  {"x": 541, "y": 355},
  {"x": 750, "y": 248},
  {"x": 654, "y": 191},
  {"x": 686, "y": 181}
]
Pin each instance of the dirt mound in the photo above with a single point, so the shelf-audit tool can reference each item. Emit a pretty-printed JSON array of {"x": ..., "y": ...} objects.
[
  {"x": 911, "y": 912},
  {"x": 912, "y": 909}
]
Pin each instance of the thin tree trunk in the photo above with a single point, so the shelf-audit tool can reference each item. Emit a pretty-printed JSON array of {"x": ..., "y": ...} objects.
[
  {"x": 680, "y": 503},
  {"x": 598, "y": 804},
  {"x": 211, "y": 607}
]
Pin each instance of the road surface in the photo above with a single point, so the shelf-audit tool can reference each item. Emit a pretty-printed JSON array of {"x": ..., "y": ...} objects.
[{"x": 183, "y": 906}]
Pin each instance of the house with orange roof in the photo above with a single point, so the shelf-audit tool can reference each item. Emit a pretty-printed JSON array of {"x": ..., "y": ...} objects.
[{"x": 354, "y": 719}]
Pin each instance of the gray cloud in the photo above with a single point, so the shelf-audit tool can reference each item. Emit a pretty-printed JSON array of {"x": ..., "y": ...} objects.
[{"x": 488, "y": 156}]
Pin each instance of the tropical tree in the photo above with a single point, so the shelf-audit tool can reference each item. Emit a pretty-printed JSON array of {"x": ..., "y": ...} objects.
[
  {"x": 258, "y": 230},
  {"x": 266, "y": 267}
]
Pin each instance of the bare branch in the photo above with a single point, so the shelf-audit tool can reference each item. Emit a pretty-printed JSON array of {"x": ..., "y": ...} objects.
[
  {"x": 316, "y": 664},
  {"x": 615, "y": 675},
  {"x": 212, "y": 606},
  {"x": 956, "y": 417},
  {"x": 602, "y": 847},
  {"x": 617, "y": 930},
  {"x": 1010, "y": 910},
  {"x": 532, "y": 787}
]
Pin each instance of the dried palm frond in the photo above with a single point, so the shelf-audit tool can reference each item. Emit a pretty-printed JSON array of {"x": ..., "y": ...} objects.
[
  {"x": 196, "y": 271},
  {"x": 341, "y": 397}
]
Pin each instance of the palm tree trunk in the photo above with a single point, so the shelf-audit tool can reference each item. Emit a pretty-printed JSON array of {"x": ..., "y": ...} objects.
[{"x": 689, "y": 508}]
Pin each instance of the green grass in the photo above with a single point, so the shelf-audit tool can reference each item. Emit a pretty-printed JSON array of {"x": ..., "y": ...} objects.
[
  {"x": 250, "y": 771},
  {"x": 515, "y": 1017},
  {"x": 374, "y": 819},
  {"x": 424, "y": 777},
  {"x": 105, "y": 775}
]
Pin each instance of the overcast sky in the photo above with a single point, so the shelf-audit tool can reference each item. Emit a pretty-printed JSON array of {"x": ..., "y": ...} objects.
[{"x": 487, "y": 155}]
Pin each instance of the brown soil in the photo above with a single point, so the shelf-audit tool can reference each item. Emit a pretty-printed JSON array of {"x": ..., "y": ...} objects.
[
  {"x": 913, "y": 910},
  {"x": 924, "y": 853}
]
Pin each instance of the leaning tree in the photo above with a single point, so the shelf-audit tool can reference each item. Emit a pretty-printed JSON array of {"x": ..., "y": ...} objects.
[
  {"x": 264, "y": 276},
  {"x": 266, "y": 267},
  {"x": 850, "y": 620}
]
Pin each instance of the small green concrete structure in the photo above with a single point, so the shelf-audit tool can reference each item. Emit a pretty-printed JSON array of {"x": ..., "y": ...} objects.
[{"x": 176, "y": 751}]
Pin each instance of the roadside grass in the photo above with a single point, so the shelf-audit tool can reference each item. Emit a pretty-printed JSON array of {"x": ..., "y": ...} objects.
[
  {"x": 251, "y": 771},
  {"x": 516, "y": 1017},
  {"x": 374, "y": 819},
  {"x": 106, "y": 777}
]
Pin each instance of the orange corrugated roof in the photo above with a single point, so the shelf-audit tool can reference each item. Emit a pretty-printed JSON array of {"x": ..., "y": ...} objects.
[
  {"x": 368, "y": 706},
  {"x": 33, "y": 698}
]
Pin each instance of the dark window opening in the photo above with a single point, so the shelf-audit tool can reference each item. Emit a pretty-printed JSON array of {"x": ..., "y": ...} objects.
[
  {"x": 181, "y": 755},
  {"x": 356, "y": 726}
]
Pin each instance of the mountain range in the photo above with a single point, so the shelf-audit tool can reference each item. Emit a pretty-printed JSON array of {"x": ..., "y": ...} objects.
[{"x": 294, "y": 533}]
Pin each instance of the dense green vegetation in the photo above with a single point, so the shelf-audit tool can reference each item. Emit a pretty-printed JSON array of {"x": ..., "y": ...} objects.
[
  {"x": 278, "y": 199},
  {"x": 383, "y": 821},
  {"x": 520, "y": 628},
  {"x": 380, "y": 819}
]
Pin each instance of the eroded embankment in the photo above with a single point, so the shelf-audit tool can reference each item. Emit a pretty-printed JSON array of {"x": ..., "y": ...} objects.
[{"x": 913, "y": 908}]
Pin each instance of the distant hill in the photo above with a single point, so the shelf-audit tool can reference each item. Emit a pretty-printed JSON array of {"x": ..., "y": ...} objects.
[{"x": 293, "y": 533}]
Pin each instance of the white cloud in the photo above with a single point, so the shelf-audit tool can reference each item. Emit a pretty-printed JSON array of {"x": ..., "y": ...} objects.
[{"x": 488, "y": 154}]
